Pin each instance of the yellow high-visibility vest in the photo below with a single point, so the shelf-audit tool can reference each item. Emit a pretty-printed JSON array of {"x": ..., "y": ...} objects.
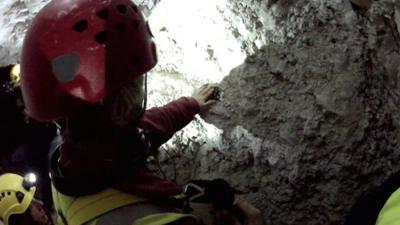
[{"x": 85, "y": 209}]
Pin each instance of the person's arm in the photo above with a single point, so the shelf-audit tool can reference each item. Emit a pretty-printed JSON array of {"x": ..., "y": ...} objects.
[{"x": 163, "y": 122}]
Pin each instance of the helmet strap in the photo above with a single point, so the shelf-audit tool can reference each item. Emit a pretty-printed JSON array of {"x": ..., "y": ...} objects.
[{"x": 145, "y": 93}]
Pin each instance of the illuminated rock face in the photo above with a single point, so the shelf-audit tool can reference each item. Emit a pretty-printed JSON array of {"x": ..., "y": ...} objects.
[
  {"x": 308, "y": 123},
  {"x": 322, "y": 106},
  {"x": 310, "y": 120}
]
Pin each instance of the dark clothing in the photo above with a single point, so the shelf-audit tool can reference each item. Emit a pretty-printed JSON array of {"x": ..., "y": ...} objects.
[
  {"x": 31, "y": 156},
  {"x": 368, "y": 207},
  {"x": 159, "y": 124},
  {"x": 23, "y": 146}
]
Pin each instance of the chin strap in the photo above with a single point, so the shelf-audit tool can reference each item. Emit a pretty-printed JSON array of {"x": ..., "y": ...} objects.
[
  {"x": 144, "y": 102},
  {"x": 145, "y": 93}
]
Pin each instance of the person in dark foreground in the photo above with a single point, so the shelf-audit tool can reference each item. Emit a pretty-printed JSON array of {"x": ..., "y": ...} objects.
[
  {"x": 24, "y": 145},
  {"x": 83, "y": 65},
  {"x": 18, "y": 205}
]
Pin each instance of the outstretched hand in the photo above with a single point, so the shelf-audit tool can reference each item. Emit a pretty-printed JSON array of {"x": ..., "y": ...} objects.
[{"x": 202, "y": 96}]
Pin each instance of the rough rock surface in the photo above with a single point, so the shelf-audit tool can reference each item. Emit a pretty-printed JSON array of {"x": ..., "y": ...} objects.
[
  {"x": 321, "y": 108},
  {"x": 308, "y": 123}
]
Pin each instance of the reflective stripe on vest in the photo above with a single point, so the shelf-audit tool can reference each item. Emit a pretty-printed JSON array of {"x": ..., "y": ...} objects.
[
  {"x": 77, "y": 211},
  {"x": 390, "y": 213},
  {"x": 129, "y": 214},
  {"x": 111, "y": 206},
  {"x": 154, "y": 219}
]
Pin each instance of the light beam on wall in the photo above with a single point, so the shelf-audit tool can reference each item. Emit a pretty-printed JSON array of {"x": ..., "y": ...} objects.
[{"x": 194, "y": 39}]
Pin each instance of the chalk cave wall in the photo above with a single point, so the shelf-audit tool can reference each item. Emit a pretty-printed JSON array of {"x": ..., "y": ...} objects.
[
  {"x": 309, "y": 122},
  {"x": 309, "y": 119}
]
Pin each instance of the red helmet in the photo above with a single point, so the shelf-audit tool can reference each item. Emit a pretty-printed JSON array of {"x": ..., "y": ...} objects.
[{"x": 76, "y": 52}]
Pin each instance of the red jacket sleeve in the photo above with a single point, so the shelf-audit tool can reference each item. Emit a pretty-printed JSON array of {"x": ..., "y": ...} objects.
[{"x": 162, "y": 122}]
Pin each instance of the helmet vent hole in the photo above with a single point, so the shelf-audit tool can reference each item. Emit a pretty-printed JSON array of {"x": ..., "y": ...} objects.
[
  {"x": 135, "y": 24},
  {"x": 103, "y": 14},
  {"x": 101, "y": 37},
  {"x": 121, "y": 9},
  {"x": 120, "y": 27},
  {"x": 134, "y": 7},
  {"x": 81, "y": 26},
  {"x": 20, "y": 196}
]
